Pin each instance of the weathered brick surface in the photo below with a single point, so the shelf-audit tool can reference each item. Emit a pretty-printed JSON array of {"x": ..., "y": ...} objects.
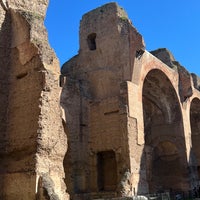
[
  {"x": 131, "y": 118},
  {"x": 32, "y": 139},
  {"x": 121, "y": 100}
]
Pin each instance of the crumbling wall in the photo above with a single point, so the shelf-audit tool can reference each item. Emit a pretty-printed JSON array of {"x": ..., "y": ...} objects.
[
  {"x": 95, "y": 105},
  {"x": 185, "y": 88},
  {"x": 125, "y": 104},
  {"x": 4, "y": 73},
  {"x": 34, "y": 142}
]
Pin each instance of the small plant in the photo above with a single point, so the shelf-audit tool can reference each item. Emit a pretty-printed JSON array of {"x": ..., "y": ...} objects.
[{"x": 123, "y": 18}]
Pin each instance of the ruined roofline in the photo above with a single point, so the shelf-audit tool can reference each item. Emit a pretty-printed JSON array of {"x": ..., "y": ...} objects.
[
  {"x": 106, "y": 22},
  {"x": 165, "y": 56},
  {"x": 107, "y": 7},
  {"x": 169, "y": 57},
  {"x": 172, "y": 63},
  {"x": 95, "y": 21}
]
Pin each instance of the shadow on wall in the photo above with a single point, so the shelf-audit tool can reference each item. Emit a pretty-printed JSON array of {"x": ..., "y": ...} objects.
[
  {"x": 4, "y": 88},
  {"x": 194, "y": 159},
  {"x": 73, "y": 167}
]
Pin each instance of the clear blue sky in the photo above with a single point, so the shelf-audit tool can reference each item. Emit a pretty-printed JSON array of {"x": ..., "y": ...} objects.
[{"x": 173, "y": 24}]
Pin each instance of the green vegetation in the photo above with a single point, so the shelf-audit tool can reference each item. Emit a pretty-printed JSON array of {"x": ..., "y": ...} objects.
[{"x": 124, "y": 18}]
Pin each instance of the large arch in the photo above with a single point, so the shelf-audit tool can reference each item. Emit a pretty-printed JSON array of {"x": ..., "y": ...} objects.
[
  {"x": 166, "y": 161},
  {"x": 195, "y": 140}
]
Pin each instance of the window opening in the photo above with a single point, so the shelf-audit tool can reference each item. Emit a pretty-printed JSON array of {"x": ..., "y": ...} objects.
[{"x": 91, "y": 39}]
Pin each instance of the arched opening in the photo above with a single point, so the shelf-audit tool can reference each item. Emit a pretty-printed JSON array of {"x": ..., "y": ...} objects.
[
  {"x": 195, "y": 138},
  {"x": 166, "y": 161}
]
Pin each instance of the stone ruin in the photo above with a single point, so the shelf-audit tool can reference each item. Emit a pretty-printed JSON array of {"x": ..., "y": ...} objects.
[
  {"x": 119, "y": 122},
  {"x": 32, "y": 138}
]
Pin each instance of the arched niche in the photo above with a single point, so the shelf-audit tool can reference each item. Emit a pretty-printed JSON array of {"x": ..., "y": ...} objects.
[
  {"x": 166, "y": 162},
  {"x": 195, "y": 140}
]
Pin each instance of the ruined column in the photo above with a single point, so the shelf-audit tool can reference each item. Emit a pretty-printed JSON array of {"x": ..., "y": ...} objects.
[{"x": 32, "y": 139}]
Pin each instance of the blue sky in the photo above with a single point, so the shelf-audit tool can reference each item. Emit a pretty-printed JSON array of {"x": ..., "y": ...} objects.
[{"x": 173, "y": 24}]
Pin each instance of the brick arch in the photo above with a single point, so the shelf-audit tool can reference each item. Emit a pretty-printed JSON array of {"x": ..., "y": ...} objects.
[
  {"x": 163, "y": 128},
  {"x": 170, "y": 74},
  {"x": 159, "y": 85},
  {"x": 138, "y": 78},
  {"x": 171, "y": 139}
]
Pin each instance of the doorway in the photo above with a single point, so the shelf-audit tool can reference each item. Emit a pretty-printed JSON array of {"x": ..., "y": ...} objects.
[{"x": 107, "y": 171}]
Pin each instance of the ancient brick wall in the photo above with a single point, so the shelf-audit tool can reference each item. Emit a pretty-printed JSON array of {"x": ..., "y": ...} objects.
[
  {"x": 131, "y": 117},
  {"x": 32, "y": 139},
  {"x": 130, "y": 114}
]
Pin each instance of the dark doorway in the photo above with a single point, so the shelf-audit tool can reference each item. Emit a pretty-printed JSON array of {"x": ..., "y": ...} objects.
[{"x": 107, "y": 171}]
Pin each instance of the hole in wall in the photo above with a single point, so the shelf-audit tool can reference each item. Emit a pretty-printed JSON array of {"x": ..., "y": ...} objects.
[
  {"x": 22, "y": 75},
  {"x": 111, "y": 112},
  {"x": 91, "y": 39}
]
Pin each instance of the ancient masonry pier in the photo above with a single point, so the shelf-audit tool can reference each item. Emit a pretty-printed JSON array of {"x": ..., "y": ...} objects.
[{"x": 32, "y": 138}]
